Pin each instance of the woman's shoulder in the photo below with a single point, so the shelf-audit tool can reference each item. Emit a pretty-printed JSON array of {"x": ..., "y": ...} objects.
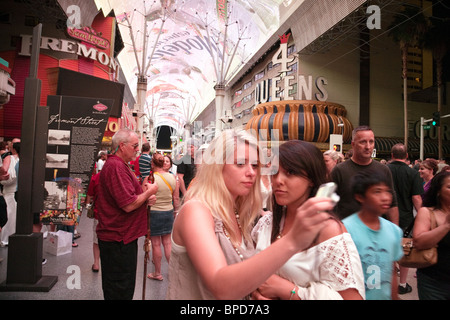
[
  {"x": 333, "y": 228},
  {"x": 168, "y": 175},
  {"x": 192, "y": 216},
  {"x": 425, "y": 213},
  {"x": 264, "y": 223},
  {"x": 194, "y": 205}
]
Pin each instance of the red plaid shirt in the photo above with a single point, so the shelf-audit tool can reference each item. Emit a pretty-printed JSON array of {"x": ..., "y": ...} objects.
[{"x": 118, "y": 187}]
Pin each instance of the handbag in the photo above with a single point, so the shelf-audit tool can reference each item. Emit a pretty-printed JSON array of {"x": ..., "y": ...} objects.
[{"x": 415, "y": 258}]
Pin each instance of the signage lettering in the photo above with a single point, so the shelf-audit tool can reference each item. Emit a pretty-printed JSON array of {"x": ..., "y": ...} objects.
[
  {"x": 113, "y": 126},
  {"x": 67, "y": 46},
  {"x": 86, "y": 121},
  {"x": 222, "y": 10},
  {"x": 432, "y": 132},
  {"x": 90, "y": 36},
  {"x": 305, "y": 87},
  {"x": 196, "y": 42}
]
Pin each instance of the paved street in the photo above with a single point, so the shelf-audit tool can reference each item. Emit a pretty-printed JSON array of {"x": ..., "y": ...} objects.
[{"x": 91, "y": 282}]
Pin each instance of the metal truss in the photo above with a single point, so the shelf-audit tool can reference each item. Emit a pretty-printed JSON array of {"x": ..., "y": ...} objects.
[{"x": 353, "y": 26}]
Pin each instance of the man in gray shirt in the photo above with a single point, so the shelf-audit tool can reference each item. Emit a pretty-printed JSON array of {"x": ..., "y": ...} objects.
[{"x": 363, "y": 143}]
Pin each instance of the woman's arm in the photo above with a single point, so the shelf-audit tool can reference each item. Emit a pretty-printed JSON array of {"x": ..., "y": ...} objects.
[
  {"x": 424, "y": 237},
  {"x": 6, "y": 163},
  {"x": 176, "y": 195},
  {"x": 194, "y": 229}
]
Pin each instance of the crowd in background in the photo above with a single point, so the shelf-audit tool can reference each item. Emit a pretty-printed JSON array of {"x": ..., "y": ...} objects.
[{"x": 230, "y": 229}]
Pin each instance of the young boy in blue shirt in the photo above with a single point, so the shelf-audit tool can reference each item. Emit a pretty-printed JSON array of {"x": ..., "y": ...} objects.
[{"x": 379, "y": 241}]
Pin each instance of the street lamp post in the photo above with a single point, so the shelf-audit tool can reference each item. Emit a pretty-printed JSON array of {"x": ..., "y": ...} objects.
[
  {"x": 422, "y": 123},
  {"x": 143, "y": 67},
  {"x": 222, "y": 68}
]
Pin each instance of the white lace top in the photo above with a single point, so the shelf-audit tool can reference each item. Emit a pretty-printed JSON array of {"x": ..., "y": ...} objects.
[{"x": 320, "y": 271}]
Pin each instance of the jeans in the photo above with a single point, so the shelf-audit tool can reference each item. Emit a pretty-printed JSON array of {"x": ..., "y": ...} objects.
[{"x": 119, "y": 264}]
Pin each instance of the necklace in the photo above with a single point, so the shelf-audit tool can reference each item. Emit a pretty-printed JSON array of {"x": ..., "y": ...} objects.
[
  {"x": 228, "y": 236},
  {"x": 281, "y": 224}
]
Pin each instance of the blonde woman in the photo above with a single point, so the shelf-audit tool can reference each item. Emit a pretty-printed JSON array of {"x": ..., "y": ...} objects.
[
  {"x": 331, "y": 159},
  {"x": 212, "y": 250}
]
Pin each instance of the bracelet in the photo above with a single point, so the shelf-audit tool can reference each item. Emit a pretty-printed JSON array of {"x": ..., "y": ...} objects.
[{"x": 292, "y": 293}]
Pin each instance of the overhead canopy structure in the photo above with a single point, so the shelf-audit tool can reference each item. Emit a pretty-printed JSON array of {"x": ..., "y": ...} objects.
[
  {"x": 184, "y": 48},
  {"x": 178, "y": 51}
]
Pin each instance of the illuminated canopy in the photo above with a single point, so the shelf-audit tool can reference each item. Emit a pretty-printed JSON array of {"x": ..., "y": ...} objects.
[{"x": 185, "y": 56}]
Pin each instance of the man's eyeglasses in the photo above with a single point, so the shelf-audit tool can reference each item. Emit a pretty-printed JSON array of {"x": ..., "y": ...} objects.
[{"x": 133, "y": 145}]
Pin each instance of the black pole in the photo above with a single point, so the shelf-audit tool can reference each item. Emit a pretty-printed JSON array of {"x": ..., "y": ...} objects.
[{"x": 24, "y": 270}]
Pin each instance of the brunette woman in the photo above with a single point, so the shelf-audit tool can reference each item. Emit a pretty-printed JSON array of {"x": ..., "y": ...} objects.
[
  {"x": 330, "y": 268},
  {"x": 433, "y": 283},
  {"x": 212, "y": 250}
]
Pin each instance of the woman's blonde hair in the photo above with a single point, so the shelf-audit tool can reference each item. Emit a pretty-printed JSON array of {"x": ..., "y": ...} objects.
[{"x": 209, "y": 187}]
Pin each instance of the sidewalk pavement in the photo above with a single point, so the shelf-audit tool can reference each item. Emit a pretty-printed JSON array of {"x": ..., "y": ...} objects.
[
  {"x": 91, "y": 287},
  {"x": 91, "y": 284}
]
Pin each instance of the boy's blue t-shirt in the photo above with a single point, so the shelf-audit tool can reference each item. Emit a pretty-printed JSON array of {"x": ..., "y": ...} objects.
[{"x": 378, "y": 250}]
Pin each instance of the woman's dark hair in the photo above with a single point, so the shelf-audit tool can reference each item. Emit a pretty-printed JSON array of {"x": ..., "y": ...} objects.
[
  {"x": 432, "y": 197},
  {"x": 430, "y": 164},
  {"x": 16, "y": 146},
  {"x": 303, "y": 159},
  {"x": 363, "y": 180}
]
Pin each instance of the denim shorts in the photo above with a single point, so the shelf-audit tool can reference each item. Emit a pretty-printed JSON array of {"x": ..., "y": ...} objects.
[{"x": 161, "y": 222}]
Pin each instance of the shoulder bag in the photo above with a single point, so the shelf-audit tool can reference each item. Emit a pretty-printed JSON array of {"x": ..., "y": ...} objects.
[
  {"x": 415, "y": 258},
  {"x": 170, "y": 188}
]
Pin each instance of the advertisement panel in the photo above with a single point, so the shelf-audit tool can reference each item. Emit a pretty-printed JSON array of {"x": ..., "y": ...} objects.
[{"x": 76, "y": 127}]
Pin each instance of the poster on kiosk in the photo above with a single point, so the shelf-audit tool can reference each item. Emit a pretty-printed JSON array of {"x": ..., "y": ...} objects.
[{"x": 76, "y": 127}]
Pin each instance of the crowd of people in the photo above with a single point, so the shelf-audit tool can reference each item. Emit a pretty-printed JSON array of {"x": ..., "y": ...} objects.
[{"x": 231, "y": 230}]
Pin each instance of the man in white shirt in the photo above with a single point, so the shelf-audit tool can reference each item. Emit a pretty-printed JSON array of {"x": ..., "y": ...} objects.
[{"x": 101, "y": 161}]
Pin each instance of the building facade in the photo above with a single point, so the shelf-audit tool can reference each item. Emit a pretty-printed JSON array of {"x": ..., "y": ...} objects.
[
  {"x": 72, "y": 61},
  {"x": 353, "y": 66}
]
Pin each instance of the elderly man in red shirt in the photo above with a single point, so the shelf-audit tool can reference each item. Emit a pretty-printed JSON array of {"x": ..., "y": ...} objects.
[{"x": 122, "y": 217}]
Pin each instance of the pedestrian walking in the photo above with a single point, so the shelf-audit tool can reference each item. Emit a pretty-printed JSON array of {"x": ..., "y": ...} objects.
[
  {"x": 122, "y": 217},
  {"x": 186, "y": 167},
  {"x": 433, "y": 283},
  {"x": 212, "y": 250},
  {"x": 378, "y": 240},
  {"x": 162, "y": 214},
  {"x": 408, "y": 189},
  {"x": 363, "y": 143}
]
